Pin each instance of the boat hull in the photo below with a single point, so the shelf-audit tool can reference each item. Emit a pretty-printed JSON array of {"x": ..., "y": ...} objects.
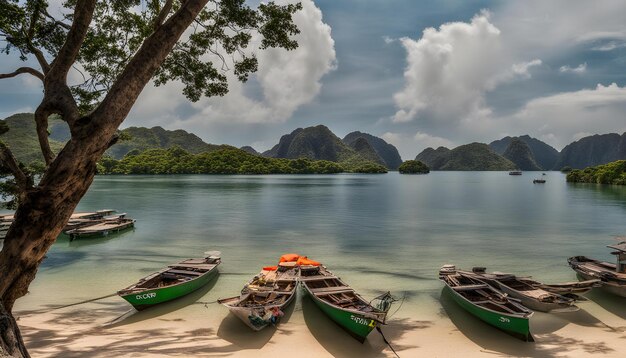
[
  {"x": 144, "y": 299},
  {"x": 357, "y": 325},
  {"x": 516, "y": 326},
  {"x": 616, "y": 289},
  {"x": 78, "y": 235},
  {"x": 577, "y": 264},
  {"x": 245, "y": 314}
]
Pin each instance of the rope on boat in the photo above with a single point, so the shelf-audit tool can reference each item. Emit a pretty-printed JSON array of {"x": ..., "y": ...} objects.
[
  {"x": 398, "y": 309},
  {"x": 45, "y": 310},
  {"x": 206, "y": 304},
  {"x": 386, "y": 341}
]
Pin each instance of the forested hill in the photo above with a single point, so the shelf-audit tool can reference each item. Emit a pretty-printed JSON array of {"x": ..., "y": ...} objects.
[{"x": 141, "y": 139}]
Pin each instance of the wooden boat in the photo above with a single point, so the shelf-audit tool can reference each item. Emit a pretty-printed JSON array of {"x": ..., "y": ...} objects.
[
  {"x": 263, "y": 299},
  {"x": 103, "y": 227},
  {"x": 487, "y": 303},
  {"x": 531, "y": 296},
  {"x": 567, "y": 289},
  {"x": 539, "y": 181},
  {"x": 342, "y": 304},
  {"x": 515, "y": 172},
  {"x": 612, "y": 276},
  {"x": 76, "y": 220},
  {"x": 175, "y": 281}
]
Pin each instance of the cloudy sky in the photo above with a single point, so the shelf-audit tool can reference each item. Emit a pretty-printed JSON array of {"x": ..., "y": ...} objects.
[{"x": 417, "y": 73}]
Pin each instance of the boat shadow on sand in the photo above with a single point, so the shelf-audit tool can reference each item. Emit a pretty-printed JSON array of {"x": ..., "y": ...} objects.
[
  {"x": 236, "y": 332},
  {"x": 340, "y": 343},
  {"x": 134, "y": 316},
  {"x": 543, "y": 327},
  {"x": 609, "y": 302}
]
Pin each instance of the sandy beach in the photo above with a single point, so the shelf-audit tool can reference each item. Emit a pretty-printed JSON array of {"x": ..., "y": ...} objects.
[{"x": 429, "y": 326}]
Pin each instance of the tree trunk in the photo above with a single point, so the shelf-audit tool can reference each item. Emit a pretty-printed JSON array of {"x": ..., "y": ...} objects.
[
  {"x": 11, "y": 343},
  {"x": 45, "y": 209},
  {"x": 38, "y": 222}
]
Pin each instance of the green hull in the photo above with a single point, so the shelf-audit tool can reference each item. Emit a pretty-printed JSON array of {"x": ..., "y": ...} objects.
[
  {"x": 155, "y": 296},
  {"x": 359, "y": 326},
  {"x": 513, "y": 325}
]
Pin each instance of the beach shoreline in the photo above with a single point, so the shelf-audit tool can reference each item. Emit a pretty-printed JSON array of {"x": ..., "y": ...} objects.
[{"x": 440, "y": 328}]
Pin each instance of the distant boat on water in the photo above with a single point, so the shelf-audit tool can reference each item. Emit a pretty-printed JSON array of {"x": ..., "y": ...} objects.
[
  {"x": 175, "y": 281},
  {"x": 612, "y": 276},
  {"x": 102, "y": 227},
  {"x": 76, "y": 220},
  {"x": 539, "y": 181},
  {"x": 515, "y": 172}
]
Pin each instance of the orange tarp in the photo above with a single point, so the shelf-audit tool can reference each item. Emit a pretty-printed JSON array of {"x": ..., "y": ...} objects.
[
  {"x": 303, "y": 260},
  {"x": 289, "y": 258}
]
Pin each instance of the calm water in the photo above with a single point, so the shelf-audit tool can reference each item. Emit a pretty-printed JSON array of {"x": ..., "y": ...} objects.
[{"x": 379, "y": 232}]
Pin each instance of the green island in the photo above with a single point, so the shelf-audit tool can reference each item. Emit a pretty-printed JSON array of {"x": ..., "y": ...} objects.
[
  {"x": 610, "y": 173},
  {"x": 413, "y": 167},
  {"x": 176, "y": 160}
]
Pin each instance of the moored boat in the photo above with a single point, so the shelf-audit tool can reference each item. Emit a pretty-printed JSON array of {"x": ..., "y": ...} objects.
[
  {"x": 263, "y": 300},
  {"x": 539, "y": 181},
  {"x": 487, "y": 303},
  {"x": 342, "y": 304},
  {"x": 612, "y": 276},
  {"x": 515, "y": 172},
  {"x": 103, "y": 227},
  {"x": 531, "y": 296},
  {"x": 173, "y": 282},
  {"x": 567, "y": 289}
]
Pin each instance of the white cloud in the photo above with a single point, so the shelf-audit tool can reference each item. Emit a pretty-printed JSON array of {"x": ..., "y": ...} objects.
[
  {"x": 426, "y": 140},
  {"x": 609, "y": 46},
  {"x": 450, "y": 69},
  {"x": 287, "y": 80},
  {"x": 582, "y": 68},
  {"x": 571, "y": 115},
  {"x": 410, "y": 145},
  {"x": 522, "y": 69},
  {"x": 388, "y": 40}
]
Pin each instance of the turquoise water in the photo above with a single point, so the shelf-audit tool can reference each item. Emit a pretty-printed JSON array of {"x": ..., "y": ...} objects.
[{"x": 379, "y": 232}]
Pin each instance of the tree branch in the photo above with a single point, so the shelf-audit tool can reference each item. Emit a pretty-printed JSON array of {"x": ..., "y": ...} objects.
[
  {"x": 8, "y": 160},
  {"x": 22, "y": 70},
  {"x": 41, "y": 120},
  {"x": 163, "y": 13},
  {"x": 66, "y": 57},
  {"x": 60, "y": 23},
  {"x": 115, "y": 106},
  {"x": 45, "y": 66}
]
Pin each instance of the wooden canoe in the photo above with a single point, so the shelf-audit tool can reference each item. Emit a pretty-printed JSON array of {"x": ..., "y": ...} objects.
[{"x": 173, "y": 282}]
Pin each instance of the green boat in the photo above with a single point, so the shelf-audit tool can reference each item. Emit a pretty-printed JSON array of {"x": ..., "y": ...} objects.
[
  {"x": 342, "y": 304},
  {"x": 487, "y": 303},
  {"x": 175, "y": 281}
]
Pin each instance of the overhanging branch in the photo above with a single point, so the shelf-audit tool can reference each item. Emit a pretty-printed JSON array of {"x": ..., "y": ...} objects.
[
  {"x": 140, "y": 69},
  {"x": 162, "y": 13},
  {"x": 66, "y": 57},
  {"x": 23, "y": 70}
]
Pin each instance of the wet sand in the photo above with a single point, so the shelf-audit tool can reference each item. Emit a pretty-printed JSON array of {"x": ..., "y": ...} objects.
[{"x": 428, "y": 325}]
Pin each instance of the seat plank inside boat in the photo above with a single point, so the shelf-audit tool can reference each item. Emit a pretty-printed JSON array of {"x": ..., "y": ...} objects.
[
  {"x": 194, "y": 266},
  {"x": 183, "y": 272},
  {"x": 469, "y": 287},
  {"x": 328, "y": 290}
]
